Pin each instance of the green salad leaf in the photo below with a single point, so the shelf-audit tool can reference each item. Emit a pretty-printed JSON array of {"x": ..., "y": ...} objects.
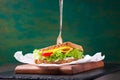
[
  {"x": 74, "y": 53},
  {"x": 36, "y": 54},
  {"x": 58, "y": 55}
]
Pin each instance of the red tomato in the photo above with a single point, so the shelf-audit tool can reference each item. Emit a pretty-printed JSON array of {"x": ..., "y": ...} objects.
[{"x": 47, "y": 54}]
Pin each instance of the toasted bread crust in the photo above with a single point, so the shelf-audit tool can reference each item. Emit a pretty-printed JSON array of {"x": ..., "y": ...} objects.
[
  {"x": 37, "y": 61},
  {"x": 73, "y": 45}
]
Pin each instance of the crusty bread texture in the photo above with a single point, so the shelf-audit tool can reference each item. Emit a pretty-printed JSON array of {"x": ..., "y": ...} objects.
[{"x": 73, "y": 45}]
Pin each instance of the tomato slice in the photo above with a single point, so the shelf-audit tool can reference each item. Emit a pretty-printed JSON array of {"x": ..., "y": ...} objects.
[{"x": 47, "y": 54}]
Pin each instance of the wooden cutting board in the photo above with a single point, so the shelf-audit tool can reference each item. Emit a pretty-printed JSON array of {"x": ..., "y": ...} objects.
[{"x": 66, "y": 69}]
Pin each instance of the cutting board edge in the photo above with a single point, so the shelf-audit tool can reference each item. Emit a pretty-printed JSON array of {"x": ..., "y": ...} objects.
[{"x": 68, "y": 69}]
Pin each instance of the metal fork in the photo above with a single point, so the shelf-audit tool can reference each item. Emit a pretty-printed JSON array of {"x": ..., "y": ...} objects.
[{"x": 59, "y": 38}]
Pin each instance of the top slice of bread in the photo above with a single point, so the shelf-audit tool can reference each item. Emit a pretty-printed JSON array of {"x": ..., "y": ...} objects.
[{"x": 73, "y": 45}]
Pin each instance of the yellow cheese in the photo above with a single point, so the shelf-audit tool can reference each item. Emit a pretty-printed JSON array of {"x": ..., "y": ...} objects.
[{"x": 63, "y": 48}]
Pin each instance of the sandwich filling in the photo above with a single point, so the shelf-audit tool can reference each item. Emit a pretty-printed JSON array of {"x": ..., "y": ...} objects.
[{"x": 57, "y": 54}]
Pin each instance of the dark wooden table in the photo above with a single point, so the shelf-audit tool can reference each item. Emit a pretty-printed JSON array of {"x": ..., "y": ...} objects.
[{"x": 88, "y": 75}]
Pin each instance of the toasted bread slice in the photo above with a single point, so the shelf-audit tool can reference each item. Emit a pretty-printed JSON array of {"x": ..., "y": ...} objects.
[{"x": 70, "y": 44}]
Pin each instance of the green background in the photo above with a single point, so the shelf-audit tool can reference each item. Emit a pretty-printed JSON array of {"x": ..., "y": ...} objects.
[{"x": 29, "y": 24}]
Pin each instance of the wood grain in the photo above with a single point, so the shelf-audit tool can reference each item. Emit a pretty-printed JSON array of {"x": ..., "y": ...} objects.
[{"x": 67, "y": 69}]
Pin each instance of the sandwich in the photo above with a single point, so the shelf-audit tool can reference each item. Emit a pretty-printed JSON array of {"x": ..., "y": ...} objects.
[{"x": 58, "y": 54}]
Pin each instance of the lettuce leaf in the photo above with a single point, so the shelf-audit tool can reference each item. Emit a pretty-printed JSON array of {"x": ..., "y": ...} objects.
[
  {"x": 58, "y": 55},
  {"x": 74, "y": 53},
  {"x": 37, "y": 54}
]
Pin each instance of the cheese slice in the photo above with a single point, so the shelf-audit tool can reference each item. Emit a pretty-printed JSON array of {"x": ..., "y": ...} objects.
[{"x": 64, "y": 49}]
